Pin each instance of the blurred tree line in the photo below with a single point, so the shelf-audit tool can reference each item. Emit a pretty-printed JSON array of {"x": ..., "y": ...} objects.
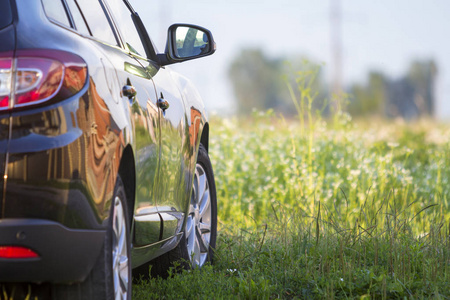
[
  {"x": 262, "y": 82},
  {"x": 409, "y": 97}
]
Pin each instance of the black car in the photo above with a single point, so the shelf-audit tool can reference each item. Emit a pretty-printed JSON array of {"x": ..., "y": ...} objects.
[{"x": 103, "y": 150}]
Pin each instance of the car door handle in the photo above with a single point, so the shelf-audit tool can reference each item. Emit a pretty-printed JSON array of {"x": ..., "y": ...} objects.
[
  {"x": 129, "y": 91},
  {"x": 163, "y": 103}
]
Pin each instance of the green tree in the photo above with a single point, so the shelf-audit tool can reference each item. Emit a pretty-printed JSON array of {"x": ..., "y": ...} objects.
[
  {"x": 370, "y": 99},
  {"x": 423, "y": 74},
  {"x": 256, "y": 80},
  {"x": 261, "y": 82}
]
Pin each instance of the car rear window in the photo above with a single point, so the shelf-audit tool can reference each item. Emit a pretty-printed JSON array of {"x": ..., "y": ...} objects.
[
  {"x": 77, "y": 17},
  {"x": 97, "y": 21},
  {"x": 125, "y": 22},
  {"x": 5, "y": 14},
  {"x": 54, "y": 9}
]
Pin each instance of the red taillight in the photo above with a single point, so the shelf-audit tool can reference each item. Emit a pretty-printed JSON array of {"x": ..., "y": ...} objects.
[
  {"x": 5, "y": 81},
  {"x": 35, "y": 76},
  {"x": 16, "y": 252}
]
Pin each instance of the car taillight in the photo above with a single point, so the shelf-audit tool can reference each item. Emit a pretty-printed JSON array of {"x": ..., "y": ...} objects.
[
  {"x": 34, "y": 76},
  {"x": 16, "y": 252},
  {"x": 5, "y": 81}
]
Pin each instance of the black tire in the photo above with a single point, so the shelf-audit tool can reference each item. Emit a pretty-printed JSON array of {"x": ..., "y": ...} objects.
[
  {"x": 181, "y": 253},
  {"x": 102, "y": 283}
]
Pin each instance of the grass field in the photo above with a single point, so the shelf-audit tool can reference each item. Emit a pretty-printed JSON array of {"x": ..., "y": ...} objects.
[{"x": 310, "y": 209}]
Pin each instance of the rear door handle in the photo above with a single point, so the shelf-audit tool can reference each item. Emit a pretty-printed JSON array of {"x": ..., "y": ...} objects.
[{"x": 129, "y": 91}]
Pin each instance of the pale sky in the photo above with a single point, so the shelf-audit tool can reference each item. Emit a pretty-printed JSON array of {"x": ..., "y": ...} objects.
[{"x": 383, "y": 35}]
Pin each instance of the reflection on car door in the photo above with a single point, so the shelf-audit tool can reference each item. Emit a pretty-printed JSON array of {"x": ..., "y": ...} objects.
[
  {"x": 160, "y": 177},
  {"x": 174, "y": 176},
  {"x": 144, "y": 115},
  {"x": 137, "y": 95}
]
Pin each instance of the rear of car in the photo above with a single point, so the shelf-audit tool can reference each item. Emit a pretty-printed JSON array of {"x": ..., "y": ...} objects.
[
  {"x": 55, "y": 188},
  {"x": 7, "y": 35}
]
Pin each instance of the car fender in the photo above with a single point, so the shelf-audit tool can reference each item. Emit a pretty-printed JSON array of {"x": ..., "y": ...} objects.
[{"x": 196, "y": 114}]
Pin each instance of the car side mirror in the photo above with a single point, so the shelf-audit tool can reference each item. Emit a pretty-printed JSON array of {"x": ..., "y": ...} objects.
[{"x": 186, "y": 42}]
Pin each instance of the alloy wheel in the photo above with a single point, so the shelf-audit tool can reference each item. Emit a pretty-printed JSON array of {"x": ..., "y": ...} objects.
[
  {"x": 198, "y": 227},
  {"x": 120, "y": 252}
]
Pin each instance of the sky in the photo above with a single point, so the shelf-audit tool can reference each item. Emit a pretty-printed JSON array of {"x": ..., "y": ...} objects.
[{"x": 382, "y": 35}]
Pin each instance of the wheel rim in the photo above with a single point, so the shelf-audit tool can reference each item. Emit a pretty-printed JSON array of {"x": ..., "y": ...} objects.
[
  {"x": 120, "y": 252},
  {"x": 198, "y": 226}
]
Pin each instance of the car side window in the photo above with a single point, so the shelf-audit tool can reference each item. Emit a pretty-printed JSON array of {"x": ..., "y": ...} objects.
[
  {"x": 54, "y": 9},
  {"x": 130, "y": 34},
  {"x": 77, "y": 17},
  {"x": 5, "y": 14},
  {"x": 97, "y": 21}
]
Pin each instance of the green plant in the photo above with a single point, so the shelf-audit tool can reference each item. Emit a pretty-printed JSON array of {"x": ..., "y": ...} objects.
[{"x": 311, "y": 210}]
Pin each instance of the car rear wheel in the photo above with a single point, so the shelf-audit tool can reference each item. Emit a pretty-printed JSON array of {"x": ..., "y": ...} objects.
[
  {"x": 121, "y": 267},
  {"x": 110, "y": 277},
  {"x": 197, "y": 245}
]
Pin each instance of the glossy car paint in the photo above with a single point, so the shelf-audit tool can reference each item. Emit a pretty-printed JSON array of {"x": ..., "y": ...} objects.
[{"x": 59, "y": 160}]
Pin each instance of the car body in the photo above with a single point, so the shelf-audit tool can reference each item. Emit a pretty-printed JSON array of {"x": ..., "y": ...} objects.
[{"x": 88, "y": 112}]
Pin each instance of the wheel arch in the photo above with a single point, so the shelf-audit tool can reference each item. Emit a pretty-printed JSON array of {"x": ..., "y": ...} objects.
[
  {"x": 204, "y": 139},
  {"x": 127, "y": 173}
]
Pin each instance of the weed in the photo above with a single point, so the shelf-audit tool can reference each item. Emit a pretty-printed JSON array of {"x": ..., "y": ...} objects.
[{"x": 310, "y": 210}]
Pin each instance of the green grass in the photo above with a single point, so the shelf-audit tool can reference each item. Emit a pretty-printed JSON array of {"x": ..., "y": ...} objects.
[{"x": 310, "y": 210}]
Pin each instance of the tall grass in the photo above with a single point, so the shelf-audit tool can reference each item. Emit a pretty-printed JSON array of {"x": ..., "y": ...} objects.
[
  {"x": 324, "y": 209},
  {"x": 268, "y": 163}
]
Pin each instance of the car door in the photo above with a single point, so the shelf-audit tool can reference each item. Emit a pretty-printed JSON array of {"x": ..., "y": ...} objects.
[
  {"x": 138, "y": 98},
  {"x": 174, "y": 175},
  {"x": 172, "y": 181}
]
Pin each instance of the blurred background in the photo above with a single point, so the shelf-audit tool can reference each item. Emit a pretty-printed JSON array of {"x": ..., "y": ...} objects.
[{"x": 391, "y": 58}]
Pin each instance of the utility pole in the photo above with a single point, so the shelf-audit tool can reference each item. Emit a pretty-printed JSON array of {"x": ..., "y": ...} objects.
[{"x": 336, "y": 50}]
